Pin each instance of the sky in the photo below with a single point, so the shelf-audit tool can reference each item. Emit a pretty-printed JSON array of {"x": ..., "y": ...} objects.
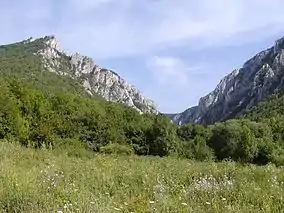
[{"x": 174, "y": 52}]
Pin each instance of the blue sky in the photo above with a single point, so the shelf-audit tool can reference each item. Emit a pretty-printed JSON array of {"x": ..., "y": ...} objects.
[{"x": 174, "y": 52}]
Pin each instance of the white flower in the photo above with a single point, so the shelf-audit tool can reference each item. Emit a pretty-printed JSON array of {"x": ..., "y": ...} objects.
[
  {"x": 151, "y": 201},
  {"x": 207, "y": 203},
  {"x": 184, "y": 204},
  {"x": 223, "y": 198}
]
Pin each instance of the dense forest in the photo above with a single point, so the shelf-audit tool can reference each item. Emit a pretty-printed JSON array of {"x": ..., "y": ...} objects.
[{"x": 39, "y": 108}]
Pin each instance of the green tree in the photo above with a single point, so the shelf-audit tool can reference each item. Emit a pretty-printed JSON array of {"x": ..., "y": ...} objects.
[
  {"x": 234, "y": 140},
  {"x": 161, "y": 137}
]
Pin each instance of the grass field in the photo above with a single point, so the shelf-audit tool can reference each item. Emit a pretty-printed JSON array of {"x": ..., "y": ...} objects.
[{"x": 79, "y": 181}]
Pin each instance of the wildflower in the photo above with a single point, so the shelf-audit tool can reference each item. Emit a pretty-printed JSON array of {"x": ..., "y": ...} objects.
[
  {"x": 65, "y": 206},
  {"x": 223, "y": 198},
  {"x": 274, "y": 181},
  {"x": 151, "y": 201},
  {"x": 208, "y": 203},
  {"x": 92, "y": 202},
  {"x": 210, "y": 182},
  {"x": 159, "y": 188},
  {"x": 184, "y": 204}
]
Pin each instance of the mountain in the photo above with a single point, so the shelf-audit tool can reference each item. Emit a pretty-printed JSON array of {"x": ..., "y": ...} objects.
[
  {"x": 46, "y": 101},
  {"x": 52, "y": 99},
  {"x": 95, "y": 80},
  {"x": 242, "y": 89}
]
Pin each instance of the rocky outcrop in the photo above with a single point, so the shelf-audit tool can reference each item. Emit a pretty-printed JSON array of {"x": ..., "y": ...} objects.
[
  {"x": 96, "y": 81},
  {"x": 259, "y": 77},
  {"x": 108, "y": 84}
]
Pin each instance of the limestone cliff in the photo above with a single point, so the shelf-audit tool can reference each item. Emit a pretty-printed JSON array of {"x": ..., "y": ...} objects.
[
  {"x": 259, "y": 77},
  {"x": 96, "y": 80}
]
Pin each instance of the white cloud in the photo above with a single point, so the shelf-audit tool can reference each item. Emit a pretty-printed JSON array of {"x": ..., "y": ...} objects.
[
  {"x": 170, "y": 70},
  {"x": 108, "y": 28},
  {"x": 138, "y": 28}
]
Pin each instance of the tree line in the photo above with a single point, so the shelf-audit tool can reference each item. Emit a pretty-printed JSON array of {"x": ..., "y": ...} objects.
[{"x": 35, "y": 118}]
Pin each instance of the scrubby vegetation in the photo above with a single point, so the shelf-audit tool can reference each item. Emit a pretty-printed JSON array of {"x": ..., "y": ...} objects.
[{"x": 68, "y": 180}]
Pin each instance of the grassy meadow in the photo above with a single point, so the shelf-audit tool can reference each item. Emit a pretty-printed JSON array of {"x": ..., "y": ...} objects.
[{"x": 45, "y": 180}]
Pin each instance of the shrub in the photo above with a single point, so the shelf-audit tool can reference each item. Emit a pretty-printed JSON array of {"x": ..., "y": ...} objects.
[
  {"x": 232, "y": 139},
  {"x": 71, "y": 147},
  {"x": 115, "y": 148},
  {"x": 277, "y": 157}
]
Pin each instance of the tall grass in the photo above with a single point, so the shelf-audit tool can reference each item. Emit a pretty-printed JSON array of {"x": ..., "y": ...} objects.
[{"x": 66, "y": 181}]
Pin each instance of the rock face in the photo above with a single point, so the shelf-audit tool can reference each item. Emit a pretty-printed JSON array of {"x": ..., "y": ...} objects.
[
  {"x": 109, "y": 84},
  {"x": 259, "y": 77},
  {"x": 50, "y": 53},
  {"x": 96, "y": 81}
]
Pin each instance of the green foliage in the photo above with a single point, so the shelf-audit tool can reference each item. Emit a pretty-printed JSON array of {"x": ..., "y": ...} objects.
[
  {"x": 114, "y": 148},
  {"x": 194, "y": 139},
  {"x": 191, "y": 131},
  {"x": 233, "y": 139},
  {"x": 161, "y": 136},
  {"x": 270, "y": 108},
  {"x": 9, "y": 112},
  {"x": 71, "y": 147}
]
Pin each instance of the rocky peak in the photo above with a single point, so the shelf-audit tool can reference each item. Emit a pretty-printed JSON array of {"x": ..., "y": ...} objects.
[
  {"x": 259, "y": 77},
  {"x": 279, "y": 45},
  {"x": 50, "y": 53},
  {"x": 82, "y": 64},
  {"x": 227, "y": 83},
  {"x": 30, "y": 39},
  {"x": 109, "y": 84},
  {"x": 96, "y": 80},
  {"x": 52, "y": 42}
]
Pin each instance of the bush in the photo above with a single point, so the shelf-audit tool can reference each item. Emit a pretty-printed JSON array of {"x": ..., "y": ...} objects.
[
  {"x": 201, "y": 150},
  {"x": 71, "y": 147},
  {"x": 277, "y": 157},
  {"x": 196, "y": 149},
  {"x": 114, "y": 148},
  {"x": 161, "y": 137},
  {"x": 233, "y": 140}
]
